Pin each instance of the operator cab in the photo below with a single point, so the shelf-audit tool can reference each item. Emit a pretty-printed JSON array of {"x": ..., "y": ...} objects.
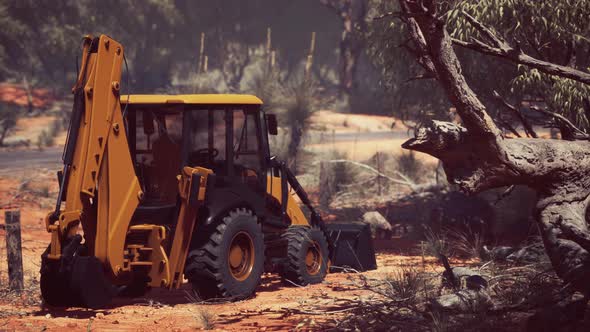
[{"x": 225, "y": 133}]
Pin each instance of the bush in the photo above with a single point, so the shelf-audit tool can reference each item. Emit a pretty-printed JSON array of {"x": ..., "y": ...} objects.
[
  {"x": 410, "y": 166},
  {"x": 8, "y": 117},
  {"x": 335, "y": 177},
  {"x": 467, "y": 244},
  {"x": 206, "y": 318},
  {"x": 45, "y": 139},
  {"x": 404, "y": 283},
  {"x": 55, "y": 127},
  {"x": 436, "y": 243}
]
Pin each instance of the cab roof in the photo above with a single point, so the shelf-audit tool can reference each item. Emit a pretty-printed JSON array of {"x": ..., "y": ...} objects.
[{"x": 200, "y": 99}]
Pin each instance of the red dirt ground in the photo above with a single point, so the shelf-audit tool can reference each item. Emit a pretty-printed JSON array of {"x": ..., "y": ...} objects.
[{"x": 275, "y": 307}]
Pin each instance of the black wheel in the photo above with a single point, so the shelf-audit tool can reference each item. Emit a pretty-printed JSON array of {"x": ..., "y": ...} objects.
[
  {"x": 226, "y": 259},
  {"x": 307, "y": 256}
]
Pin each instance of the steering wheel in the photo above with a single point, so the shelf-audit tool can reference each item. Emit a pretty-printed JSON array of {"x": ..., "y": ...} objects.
[{"x": 203, "y": 155}]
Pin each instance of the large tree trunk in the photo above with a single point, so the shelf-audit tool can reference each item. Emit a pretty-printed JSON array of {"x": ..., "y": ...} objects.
[
  {"x": 558, "y": 170},
  {"x": 477, "y": 157}
]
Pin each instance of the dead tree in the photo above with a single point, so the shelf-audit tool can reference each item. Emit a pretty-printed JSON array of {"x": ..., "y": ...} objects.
[{"x": 476, "y": 156}]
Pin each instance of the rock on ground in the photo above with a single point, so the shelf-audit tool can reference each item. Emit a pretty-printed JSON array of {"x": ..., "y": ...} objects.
[
  {"x": 466, "y": 300},
  {"x": 376, "y": 221},
  {"x": 533, "y": 253}
]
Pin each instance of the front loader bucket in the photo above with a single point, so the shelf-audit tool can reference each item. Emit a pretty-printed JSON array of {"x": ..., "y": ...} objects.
[
  {"x": 353, "y": 246},
  {"x": 74, "y": 280}
]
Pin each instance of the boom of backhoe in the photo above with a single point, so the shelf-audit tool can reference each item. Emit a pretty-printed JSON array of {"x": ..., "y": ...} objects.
[{"x": 101, "y": 193}]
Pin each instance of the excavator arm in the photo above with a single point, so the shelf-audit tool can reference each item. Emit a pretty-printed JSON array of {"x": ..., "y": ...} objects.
[
  {"x": 102, "y": 192},
  {"x": 98, "y": 176}
]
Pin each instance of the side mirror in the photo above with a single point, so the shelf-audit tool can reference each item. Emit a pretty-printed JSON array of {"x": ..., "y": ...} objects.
[{"x": 271, "y": 124}]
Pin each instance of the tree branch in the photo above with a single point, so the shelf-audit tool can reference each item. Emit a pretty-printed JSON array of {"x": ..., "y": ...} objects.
[
  {"x": 432, "y": 39},
  {"x": 419, "y": 77},
  {"x": 406, "y": 181},
  {"x": 508, "y": 126},
  {"x": 505, "y": 51},
  {"x": 528, "y": 128},
  {"x": 569, "y": 131},
  {"x": 497, "y": 41}
]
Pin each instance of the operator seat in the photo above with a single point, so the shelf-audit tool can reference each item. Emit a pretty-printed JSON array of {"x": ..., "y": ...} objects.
[
  {"x": 161, "y": 200},
  {"x": 166, "y": 166}
]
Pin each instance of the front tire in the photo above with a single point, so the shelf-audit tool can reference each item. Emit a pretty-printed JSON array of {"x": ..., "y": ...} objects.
[
  {"x": 307, "y": 256},
  {"x": 227, "y": 257}
]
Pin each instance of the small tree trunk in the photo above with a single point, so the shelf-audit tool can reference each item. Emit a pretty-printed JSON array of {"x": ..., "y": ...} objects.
[
  {"x": 296, "y": 136},
  {"x": 14, "y": 250},
  {"x": 353, "y": 14},
  {"x": 326, "y": 189}
]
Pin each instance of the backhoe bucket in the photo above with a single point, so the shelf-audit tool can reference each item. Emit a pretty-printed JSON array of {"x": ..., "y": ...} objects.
[
  {"x": 353, "y": 246},
  {"x": 74, "y": 280}
]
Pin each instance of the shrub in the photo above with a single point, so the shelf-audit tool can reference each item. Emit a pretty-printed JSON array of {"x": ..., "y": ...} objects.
[
  {"x": 206, "y": 318},
  {"x": 8, "y": 117},
  {"x": 300, "y": 105},
  {"x": 335, "y": 177},
  {"x": 45, "y": 139},
  {"x": 410, "y": 166},
  {"x": 467, "y": 244}
]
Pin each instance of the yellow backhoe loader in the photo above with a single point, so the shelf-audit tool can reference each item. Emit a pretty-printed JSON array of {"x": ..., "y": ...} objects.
[{"x": 159, "y": 188}]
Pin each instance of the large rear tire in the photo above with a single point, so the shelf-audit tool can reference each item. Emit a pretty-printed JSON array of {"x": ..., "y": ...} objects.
[
  {"x": 307, "y": 256},
  {"x": 226, "y": 259}
]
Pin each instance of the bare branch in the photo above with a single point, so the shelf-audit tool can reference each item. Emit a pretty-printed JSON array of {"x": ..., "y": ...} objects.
[
  {"x": 504, "y": 194},
  {"x": 528, "y": 128},
  {"x": 572, "y": 132},
  {"x": 419, "y": 77},
  {"x": 505, "y": 124},
  {"x": 406, "y": 181},
  {"x": 497, "y": 41},
  {"x": 388, "y": 14}
]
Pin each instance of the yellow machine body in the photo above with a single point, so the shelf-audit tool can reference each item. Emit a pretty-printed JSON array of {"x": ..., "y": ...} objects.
[{"x": 102, "y": 190}]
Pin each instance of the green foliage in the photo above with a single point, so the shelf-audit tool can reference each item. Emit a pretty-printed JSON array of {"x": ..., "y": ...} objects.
[
  {"x": 45, "y": 139},
  {"x": 41, "y": 39},
  {"x": 301, "y": 102},
  {"x": 555, "y": 31},
  {"x": 409, "y": 98}
]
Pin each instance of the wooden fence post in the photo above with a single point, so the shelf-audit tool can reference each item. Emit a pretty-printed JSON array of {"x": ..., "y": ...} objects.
[{"x": 14, "y": 250}]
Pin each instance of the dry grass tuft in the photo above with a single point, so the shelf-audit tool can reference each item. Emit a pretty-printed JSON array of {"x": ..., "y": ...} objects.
[{"x": 206, "y": 319}]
